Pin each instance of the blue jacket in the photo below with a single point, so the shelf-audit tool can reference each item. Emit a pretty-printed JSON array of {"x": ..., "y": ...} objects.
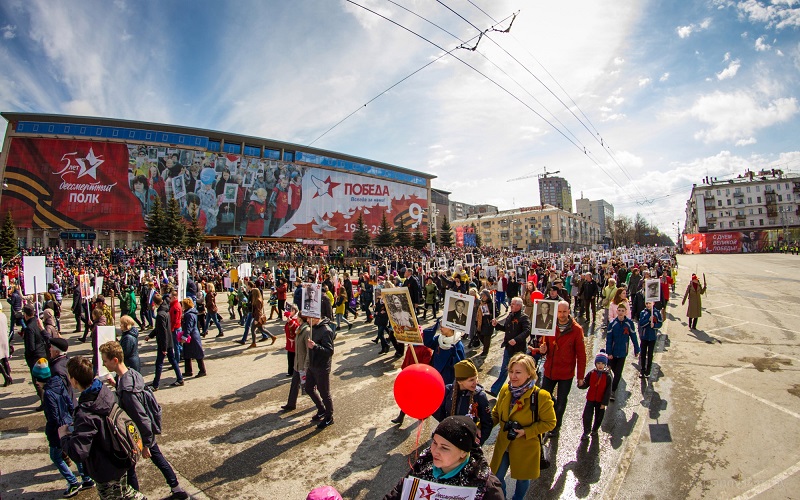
[
  {"x": 645, "y": 331},
  {"x": 57, "y": 403},
  {"x": 443, "y": 359},
  {"x": 617, "y": 337}
]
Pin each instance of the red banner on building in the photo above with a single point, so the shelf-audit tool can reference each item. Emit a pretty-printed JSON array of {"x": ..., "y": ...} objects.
[{"x": 725, "y": 242}]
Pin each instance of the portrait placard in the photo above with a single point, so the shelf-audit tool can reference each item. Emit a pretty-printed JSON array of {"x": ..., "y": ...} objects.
[
  {"x": 401, "y": 316},
  {"x": 104, "y": 334},
  {"x": 87, "y": 292},
  {"x": 652, "y": 290},
  {"x": 229, "y": 192},
  {"x": 183, "y": 278},
  {"x": 35, "y": 274},
  {"x": 458, "y": 311},
  {"x": 544, "y": 318},
  {"x": 178, "y": 187},
  {"x": 469, "y": 261},
  {"x": 311, "y": 300},
  {"x": 98, "y": 285}
]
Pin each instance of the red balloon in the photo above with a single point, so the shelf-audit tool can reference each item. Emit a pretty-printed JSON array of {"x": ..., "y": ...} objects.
[
  {"x": 536, "y": 294},
  {"x": 419, "y": 390}
]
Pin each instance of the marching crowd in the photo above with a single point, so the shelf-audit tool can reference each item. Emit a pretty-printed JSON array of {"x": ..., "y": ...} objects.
[{"x": 527, "y": 401}]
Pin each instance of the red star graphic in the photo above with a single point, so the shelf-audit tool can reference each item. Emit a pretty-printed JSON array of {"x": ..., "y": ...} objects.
[
  {"x": 427, "y": 492},
  {"x": 330, "y": 185}
]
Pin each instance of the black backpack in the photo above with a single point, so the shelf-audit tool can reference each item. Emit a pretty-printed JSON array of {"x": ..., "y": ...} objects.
[{"x": 124, "y": 438}]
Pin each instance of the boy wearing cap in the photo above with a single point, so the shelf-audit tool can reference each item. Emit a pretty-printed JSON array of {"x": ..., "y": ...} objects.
[
  {"x": 58, "y": 361},
  {"x": 598, "y": 382},
  {"x": 57, "y": 402}
]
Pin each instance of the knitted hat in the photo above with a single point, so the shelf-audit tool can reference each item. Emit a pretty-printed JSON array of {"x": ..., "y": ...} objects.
[
  {"x": 465, "y": 369},
  {"x": 459, "y": 430},
  {"x": 60, "y": 343},
  {"x": 41, "y": 370},
  {"x": 601, "y": 357}
]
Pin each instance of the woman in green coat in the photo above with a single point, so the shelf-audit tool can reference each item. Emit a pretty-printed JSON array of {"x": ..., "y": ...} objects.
[
  {"x": 522, "y": 452},
  {"x": 693, "y": 293}
]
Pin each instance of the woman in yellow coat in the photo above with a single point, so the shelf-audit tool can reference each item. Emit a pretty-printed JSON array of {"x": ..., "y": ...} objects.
[{"x": 513, "y": 406}]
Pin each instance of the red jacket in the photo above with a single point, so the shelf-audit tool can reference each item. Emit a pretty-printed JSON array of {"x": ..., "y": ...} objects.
[
  {"x": 598, "y": 384},
  {"x": 564, "y": 351},
  {"x": 175, "y": 313},
  {"x": 290, "y": 329}
]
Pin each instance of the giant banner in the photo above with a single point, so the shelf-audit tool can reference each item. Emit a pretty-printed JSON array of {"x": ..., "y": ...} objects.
[
  {"x": 725, "y": 242},
  {"x": 113, "y": 186}
]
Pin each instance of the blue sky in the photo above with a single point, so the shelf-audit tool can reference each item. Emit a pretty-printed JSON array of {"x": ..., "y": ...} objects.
[{"x": 675, "y": 90}]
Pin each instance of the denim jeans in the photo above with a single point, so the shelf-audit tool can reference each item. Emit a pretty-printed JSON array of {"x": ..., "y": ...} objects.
[
  {"x": 318, "y": 388},
  {"x": 160, "y": 462},
  {"x": 500, "y": 298},
  {"x": 63, "y": 468},
  {"x": 212, "y": 316},
  {"x": 522, "y": 484},
  {"x": 564, "y": 387},
  {"x": 248, "y": 321},
  {"x": 382, "y": 338},
  {"x": 339, "y": 319},
  {"x": 501, "y": 378},
  {"x": 146, "y": 314},
  {"x": 160, "y": 365}
]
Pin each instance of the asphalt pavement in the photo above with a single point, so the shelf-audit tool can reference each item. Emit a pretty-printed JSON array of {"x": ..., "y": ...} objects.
[{"x": 717, "y": 419}]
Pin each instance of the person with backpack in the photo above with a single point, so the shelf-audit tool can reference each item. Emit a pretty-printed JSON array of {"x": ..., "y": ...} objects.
[
  {"x": 164, "y": 343},
  {"x": 141, "y": 406},
  {"x": 95, "y": 438},
  {"x": 57, "y": 401}
]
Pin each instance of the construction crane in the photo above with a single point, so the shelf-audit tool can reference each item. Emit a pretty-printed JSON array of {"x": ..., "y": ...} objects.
[{"x": 534, "y": 174}]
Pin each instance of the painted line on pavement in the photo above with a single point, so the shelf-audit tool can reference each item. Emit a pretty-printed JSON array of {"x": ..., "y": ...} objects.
[
  {"x": 759, "y": 324},
  {"x": 766, "y": 485},
  {"x": 716, "y": 378},
  {"x": 724, "y": 327},
  {"x": 717, "y": 307}
]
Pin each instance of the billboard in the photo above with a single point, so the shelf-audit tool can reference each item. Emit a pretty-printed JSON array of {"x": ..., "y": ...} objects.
[
  {"x": 76, "y": 184},
  {"x": 725, "y": 242}
]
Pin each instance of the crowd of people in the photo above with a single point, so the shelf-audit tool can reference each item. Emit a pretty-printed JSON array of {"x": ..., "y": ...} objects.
[{"x": 527, "y": 400}]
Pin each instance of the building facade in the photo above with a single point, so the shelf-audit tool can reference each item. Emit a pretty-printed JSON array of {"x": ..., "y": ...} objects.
[
  {"x": 77, "y": 180},
  {"x": 555, "y": 191},
  {"x": 533, "y": 228},
  {"x": 599, "y": 211},
  {"x": 460, "y": 210}
]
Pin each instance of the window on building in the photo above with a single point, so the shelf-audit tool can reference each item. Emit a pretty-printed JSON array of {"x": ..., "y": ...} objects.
[
  {"x": 749, "y": 200},
  {"x": 727, "y": 192},
  {"x": 748, "y": 189},
  {"x": 719, "y": 203},
  {"x": 788, "y": 197},
  {"x": 752, "y": 222},
  {"x": 730, "y": 224},
  {"x": 772, "y": 222},
  {"x": 711, "y": 225},
  {"x": 728, "y": 202},
  {"x": 779, "y": 186},
  {"x": 760, "y": 210},
  {"x": 786, "y": 186},
  {"x": 758, "y": 189},
  {"x": 760, "y": 222},
  {"x": 751, "y": 211},
  {"x": 718, "y": 193},
  {"x": 741, "y": 223},
  {"x": 780, "y": 196},
  {"x": 758, "y": 199}
]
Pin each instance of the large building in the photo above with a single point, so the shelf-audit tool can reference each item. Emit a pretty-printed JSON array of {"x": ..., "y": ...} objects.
[
  {"x": 599, "y": 211},
  {"x": 532, "y": 228},
  {"x": 460, "y": 210},
  {"x": 763, "y": 206},
  {"x": 555, "y": 191},
  {"x": 72, "y": 180}
]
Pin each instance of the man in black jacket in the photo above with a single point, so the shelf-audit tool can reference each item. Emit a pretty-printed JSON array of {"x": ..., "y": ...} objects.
[
  {"x": 517, "y": 328},
  {"x": 163, "y": 335},
  {"x": 589, "y": 293},
  {"x": 90, "y": 440},
  {"x": 130, "y": 389},
  {"x": 318, "y": 374},
  {"x": 35, "y": 343}
]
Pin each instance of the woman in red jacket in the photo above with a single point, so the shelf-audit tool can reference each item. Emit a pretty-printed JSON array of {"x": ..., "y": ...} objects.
[{"x": 564, "y": 351}]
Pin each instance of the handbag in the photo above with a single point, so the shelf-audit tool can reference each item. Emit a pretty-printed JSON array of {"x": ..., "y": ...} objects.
[{"x": 544, "y": 451}]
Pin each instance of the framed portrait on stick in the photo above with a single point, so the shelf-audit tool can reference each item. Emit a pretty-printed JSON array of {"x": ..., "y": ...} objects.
[
  {"x": 652, "y": 290},
  {"x": 311, "y": 300},
  {"x": 544, "y": 318},
  {"x": 458, "y": 310},
  {"x": 401, "y": 315}
]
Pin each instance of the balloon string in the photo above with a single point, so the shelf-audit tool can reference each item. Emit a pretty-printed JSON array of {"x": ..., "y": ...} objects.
[{"x": 416, "y": 445}]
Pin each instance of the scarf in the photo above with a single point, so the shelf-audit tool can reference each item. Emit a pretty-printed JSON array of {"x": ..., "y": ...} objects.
[
  {"x": 517, "y": 392},
  {"x": 446, "y": 342}
]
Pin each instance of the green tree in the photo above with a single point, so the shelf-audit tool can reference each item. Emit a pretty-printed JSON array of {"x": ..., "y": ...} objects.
[
  {"x": 8, "y": 238},
  {"x": 361, "y": 237},
  {"x": 401, "y": 236},
  {"x": 195, "y": 233},
  {"x": 385, "y": 237},
  {"x": 418, "y": 240},
  {"x": 175, "y": 230},
  {"x": 445, "y": 233},
  {"x": 156, "y": 225}
]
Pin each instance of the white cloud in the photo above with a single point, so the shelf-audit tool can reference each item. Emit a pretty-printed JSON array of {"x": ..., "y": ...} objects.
[
  {"x": 615, "y": 117},
  {"x": 730, "y": 71},
  {"x": 618, "y": 61},
  {"x": 9, "y": 31},
  {"x": 744, "y": 34},
  {"x": 684, "y": 31},
  {"x": 779, "y": 15},
  {"x": 746, "y": 142},
  {"x": 761, "y": 46},
  {"x": 738, "y": 115},
  {"x": 664, "y": 77},
  {"x": 643, "y": 82},
  {"x": 615, "y": 100},
  {"x": 726, "y": 57}
]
